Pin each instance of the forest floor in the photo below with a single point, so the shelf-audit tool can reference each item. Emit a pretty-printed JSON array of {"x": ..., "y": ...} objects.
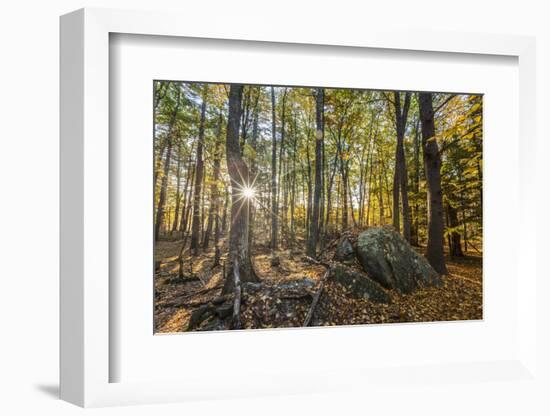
[{"x": 460, "y": 297}]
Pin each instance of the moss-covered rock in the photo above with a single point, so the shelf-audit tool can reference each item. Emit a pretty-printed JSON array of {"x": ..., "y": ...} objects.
[
  {"x": 358, "y": 284},
  {"x": 389, "y": 259}
]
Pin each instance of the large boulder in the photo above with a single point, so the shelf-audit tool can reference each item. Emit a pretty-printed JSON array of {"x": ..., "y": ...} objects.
[
  {"x": 345, "y": 252},
  {"x": 390, "y": 260},
  {"x": 359, "y": 284}
]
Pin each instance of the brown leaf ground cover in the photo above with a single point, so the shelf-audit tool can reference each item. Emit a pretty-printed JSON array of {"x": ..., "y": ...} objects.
[{"x": 460, "y": 298}]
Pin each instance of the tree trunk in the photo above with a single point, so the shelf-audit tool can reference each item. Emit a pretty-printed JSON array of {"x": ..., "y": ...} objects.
[
  {"x": 178, "y": 193},
  {"x": 238, "y": 172},
  {"x": 380, "y": 193},
  {"x": 253, "y": 172},
  {"x": 274, "y": 210},
  {"x": 401, "y": 176},
  {"x": 166, "y": 170},
  {"x": 314, "y": 221},
  {"x": 432, "y": 166},
  {"x": 414, "y": 226},
  {"x": 185, "y": 217},
  {"x": 282, "y": 215},
  {"x": 454, "y": 235},
  {"x": 195, "y": 227},
  {"x": 213, "y": 209},
  {"x": 186, "y": 198}
]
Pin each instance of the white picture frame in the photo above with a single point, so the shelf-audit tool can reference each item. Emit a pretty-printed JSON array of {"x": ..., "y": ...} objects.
[{"x": 85, "y": 266}]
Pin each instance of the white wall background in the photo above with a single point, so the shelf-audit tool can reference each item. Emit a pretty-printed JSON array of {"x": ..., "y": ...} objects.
[{"x": 29, "y": 182}]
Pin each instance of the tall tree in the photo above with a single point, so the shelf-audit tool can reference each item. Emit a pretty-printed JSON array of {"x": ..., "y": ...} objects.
[
  {"x": 432, "y": 166},
  {"x": 164, "y": 184},
  {"x": 178, "y": 191},
  {"x": 239, "y": 250},
  {"x": 319, "y": 136},
  {"x": 199, "y": 170},
  {"x": 400, "y": 181},
  {"x": 274, "y": 207},
  {"x": 213, "y": 209}
]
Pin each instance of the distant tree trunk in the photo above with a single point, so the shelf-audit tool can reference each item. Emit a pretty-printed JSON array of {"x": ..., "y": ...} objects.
[
  {"x": 455, "y": 247},
  {"x": 320, "y": 232},
  {"x": 352, "y": 211},
  {"x": 464, "y": 226},
  {"x": 414, "y": 226},
  {"x": 253, "y": 170},
  {"x": 380, "y": 193},
  {"x": 274, "y": 210},
  {"x": 344, "y": 183},
  {"x": 195, "y": 227},
  {"x": 238, "y": 172},
  {"x": 401, "y": 176},
  {"x": 213, "y": 210},
  {"x": 178, "y": 193},
  {"x": 395, "y": 199},
  {"x": 314, "y": 221},
  {"x": 186, "y": 199},
  {"x": 309, "y": 192},
  {"x": 282, "y": 208},
  {"x": 166, "y": 170},
  {"x": 293, "y": 186},
  {"x": 224, "y": 217},
  {"x": 432, "y": 166},
  {"x": 329, "y": 196},
  {"x": 185, "y": 217}
]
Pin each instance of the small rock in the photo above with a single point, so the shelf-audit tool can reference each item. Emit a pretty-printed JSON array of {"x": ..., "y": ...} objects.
[{"x": 345, "y": 252}]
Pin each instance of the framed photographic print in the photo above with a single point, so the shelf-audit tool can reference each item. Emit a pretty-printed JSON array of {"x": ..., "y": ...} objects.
[
  {"x": 282, "y": 213},
  {"x": 272, "y": 206}
]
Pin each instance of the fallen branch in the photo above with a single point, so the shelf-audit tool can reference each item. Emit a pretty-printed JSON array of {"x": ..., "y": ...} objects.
[
  {"x": 193, "y": 304},
  {"x": 316, "y": 297},
  {"x": 311, "y": 260},
  {"x": 181, "y": 299}
]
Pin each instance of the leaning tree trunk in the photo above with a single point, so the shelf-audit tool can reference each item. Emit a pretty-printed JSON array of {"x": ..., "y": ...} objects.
[
  {"x": 432, "y": 166},
  {"x": 239, "y": 252},
  {"x": 314, "y": 222},
  {"x": 195, "y": 227}
]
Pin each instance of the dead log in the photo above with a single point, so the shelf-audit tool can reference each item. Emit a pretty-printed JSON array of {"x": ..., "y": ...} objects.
[
  {"x": 316, "y": 298},
  {"x": 311, "y": 260}
]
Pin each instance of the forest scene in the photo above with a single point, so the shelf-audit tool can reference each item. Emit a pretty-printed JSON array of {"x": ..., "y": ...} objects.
[{"x": 280, "y": 206}]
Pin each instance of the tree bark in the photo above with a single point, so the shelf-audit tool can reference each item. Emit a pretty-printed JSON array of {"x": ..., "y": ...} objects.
[
  {"x": 455, "y": 246},
  {"x": 274, "y": 210},
  {"x": 239, "y": 252},
  {"x": 319, "y": 134},
  {"x": 186, "y": 198},
  {"x": 213, "y": 209},
  {"x": 178, "y": 193},
  {"x": 166, "y": 170},
  {"x": 432, "y": 166},
  {"x": 195, "y": 227},
  {"x": 401, "y": 176}
]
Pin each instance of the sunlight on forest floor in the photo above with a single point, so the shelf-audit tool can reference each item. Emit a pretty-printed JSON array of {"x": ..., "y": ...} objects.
[{"x": 460, "y": 298}]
